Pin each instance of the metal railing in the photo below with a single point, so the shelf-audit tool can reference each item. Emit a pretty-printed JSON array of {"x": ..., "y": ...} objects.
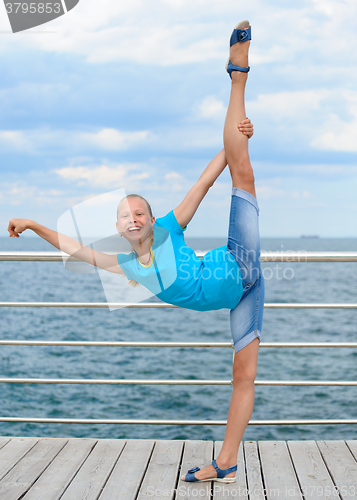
[
  {"x": 300, "y": 256},
  {"x": 265, "y": 257}
]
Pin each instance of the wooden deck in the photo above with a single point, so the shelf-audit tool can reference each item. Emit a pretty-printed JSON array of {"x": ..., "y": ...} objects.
[{"x": 109, "y": 469}]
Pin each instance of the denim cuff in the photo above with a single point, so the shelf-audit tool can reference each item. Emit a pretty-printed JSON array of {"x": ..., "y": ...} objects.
[{"x": 246, "y": 196}]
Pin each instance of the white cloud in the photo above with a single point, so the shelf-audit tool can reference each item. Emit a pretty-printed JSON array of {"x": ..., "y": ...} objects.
[
  {"x": 100, "y": 176},
  {"x": 21, "y": 193},
  {"x": 325, "y": 118},
  {"x": 210, "y": 107},
  {"x": 133, "y": 177},
  {"x": 175, "y": 181},
  {"x": 15, "y": 139},
  {"x": 344, "y": 140},
  {"x": 173, "y": 176},
  {"x": 294, "y": 105},
  {"x": 103, "y": 176},
  {"x": 112, "y": 139},
  {"x": 108, "y": 139},
  {"x": 267, "y": 192},
  {"x": 327, "y": 171},
  {"x": 338, "y": 134}
]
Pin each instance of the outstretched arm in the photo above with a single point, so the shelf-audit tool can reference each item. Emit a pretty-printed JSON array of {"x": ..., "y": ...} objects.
[
  {"x": 187, "y": 208},
  {"x": 67, "y": 245}
]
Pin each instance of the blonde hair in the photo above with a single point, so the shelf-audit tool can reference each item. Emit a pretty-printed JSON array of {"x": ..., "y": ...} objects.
[{"x": 134, "y": 283}]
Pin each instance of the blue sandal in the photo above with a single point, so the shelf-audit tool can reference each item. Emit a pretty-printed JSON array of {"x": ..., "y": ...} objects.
[
  {"x": 239, "y": 35},
  {"x": 190, "y": 476}
]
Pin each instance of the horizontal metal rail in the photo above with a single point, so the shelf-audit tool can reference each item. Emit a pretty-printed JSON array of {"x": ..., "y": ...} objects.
[
  {"x": 172, "y": 422},
  {"x": 88, "y": 343},
  {"x": 163, "y": 305},
  {"x": 293, "y": 256},
  {"x": 172, "y": 382}
]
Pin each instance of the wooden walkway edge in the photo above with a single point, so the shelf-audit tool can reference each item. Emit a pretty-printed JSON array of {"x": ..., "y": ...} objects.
[{"x": 143, "y": 469}]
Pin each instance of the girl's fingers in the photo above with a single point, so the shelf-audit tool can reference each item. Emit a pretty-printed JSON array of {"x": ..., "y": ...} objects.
[
  {"x": 246, "y": 127},
  {"x": 245, "y": 124}
]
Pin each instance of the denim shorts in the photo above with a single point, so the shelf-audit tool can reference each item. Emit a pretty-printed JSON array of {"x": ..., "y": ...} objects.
[{"x": 244, "y": 244}]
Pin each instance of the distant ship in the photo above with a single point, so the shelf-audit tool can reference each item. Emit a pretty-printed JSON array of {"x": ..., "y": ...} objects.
[{"x": 309, "y": 236}]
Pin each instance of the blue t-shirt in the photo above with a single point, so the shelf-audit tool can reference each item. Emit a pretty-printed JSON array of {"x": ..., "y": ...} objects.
[{"x": 177, "y": 276}]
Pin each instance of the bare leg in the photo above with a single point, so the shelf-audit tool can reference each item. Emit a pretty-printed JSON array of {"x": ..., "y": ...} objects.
[
  {"x": 235, "y": 142},
  {"x": 240, "y": 409},
  {"x": 242, "y": 403}
]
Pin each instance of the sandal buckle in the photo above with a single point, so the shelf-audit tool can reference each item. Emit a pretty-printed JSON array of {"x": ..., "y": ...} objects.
[
  {"x": 243, "y": 35},
  {"x": 194, "y": 469}
]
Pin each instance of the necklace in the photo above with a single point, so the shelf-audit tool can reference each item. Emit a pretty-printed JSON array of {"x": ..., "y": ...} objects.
[{"x": 144, "y": 263}]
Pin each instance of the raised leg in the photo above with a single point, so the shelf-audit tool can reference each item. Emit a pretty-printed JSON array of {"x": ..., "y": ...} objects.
[{"x": 235, "y": 142}]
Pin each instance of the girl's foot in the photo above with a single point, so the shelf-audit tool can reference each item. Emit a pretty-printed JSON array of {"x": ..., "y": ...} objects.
[
  {"x": 238, "y": 53},
  {"x": 210, "y": 471}
]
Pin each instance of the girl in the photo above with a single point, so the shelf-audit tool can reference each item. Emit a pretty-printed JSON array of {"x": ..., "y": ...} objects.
[{"x": 228, "y": 277}]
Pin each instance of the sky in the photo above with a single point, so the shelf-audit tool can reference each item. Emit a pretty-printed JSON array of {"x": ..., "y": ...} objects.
[{"x": 119, "y": 95}]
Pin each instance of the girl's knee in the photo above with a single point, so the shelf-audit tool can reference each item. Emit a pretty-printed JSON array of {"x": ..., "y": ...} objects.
[
  {"x": 245, "y": 363},
  {"x": 241, "y": 163},
  {"x": 244, "y": 373},
  {"x": 242, "y": 175}
]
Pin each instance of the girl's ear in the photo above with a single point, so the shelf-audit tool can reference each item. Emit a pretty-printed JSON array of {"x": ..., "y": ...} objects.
[
  {"x": 152, "y": 220},
  {"x": 117, "y": 226}
]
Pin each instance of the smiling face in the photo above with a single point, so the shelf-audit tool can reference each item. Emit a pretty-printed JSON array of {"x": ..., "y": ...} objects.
[{"x": 134, "y": 219}]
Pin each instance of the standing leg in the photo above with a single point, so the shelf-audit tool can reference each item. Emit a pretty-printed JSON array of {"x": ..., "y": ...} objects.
[{"x": 240, "y": 409}]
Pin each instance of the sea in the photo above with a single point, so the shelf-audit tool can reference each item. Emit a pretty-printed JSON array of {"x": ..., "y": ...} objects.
[{"x": 301, "y": 282}]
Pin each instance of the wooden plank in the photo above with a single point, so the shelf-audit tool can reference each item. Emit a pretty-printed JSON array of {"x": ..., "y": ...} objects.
[
  {"x": 254, "y": 472},
  {"x": 222, "y": 491},
  {"x": 311, "y": 470},
  {"x": 125, "y": 480},
  {"x": 26, "y": 471},
  {"x": 95, "y": 471},
  {"x": 55, "y": 479},
  {"x": 161, "y": 476},
  {"x": 342, "y": 467},
  {"x": 3, "y": 441},
  {"x": 353, "y": 447},
  {"x": 200, "y": 454},
  {"x": 13, "y": 452},
  {"x": 278, "y": 472}
]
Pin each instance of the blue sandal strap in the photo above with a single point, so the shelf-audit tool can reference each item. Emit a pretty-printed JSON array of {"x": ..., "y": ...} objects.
[
  {"x": 241, "y": 35},
  {"x": 222, "y": 473},
  {"x": 231, "y": 68}
]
